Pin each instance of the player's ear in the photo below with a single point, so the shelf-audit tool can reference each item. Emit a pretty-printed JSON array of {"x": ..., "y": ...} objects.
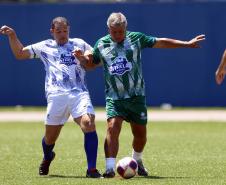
[
  {"x": 109, "y": 30},
  {"x": 51, "y": 31},
  {"x": 68, "y": 30}
]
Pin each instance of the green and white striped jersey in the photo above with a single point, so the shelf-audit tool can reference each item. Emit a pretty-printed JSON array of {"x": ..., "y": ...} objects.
[{"x": 122, "y": 64}]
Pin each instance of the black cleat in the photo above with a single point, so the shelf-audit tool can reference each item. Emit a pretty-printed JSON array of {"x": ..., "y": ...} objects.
[
  {"x": 109, "y": 173},
  {"x": 142, "y": 171},
  {"x": 93, "y": 174},
  {"x": 44, "y": 166}
]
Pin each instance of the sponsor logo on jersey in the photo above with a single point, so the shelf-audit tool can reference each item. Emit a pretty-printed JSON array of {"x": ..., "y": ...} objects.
[
  {"x": 119, "y": 66},
  {"x": 67, "y": 59}
]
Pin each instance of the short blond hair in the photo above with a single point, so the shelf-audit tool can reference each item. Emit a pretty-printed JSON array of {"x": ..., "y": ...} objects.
[{"x": 116, "y": 19}]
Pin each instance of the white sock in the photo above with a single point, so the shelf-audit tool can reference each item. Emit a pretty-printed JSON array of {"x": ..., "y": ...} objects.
[
  {"x": 110, "y": 163},
  {"x": 136, "y": 155}
]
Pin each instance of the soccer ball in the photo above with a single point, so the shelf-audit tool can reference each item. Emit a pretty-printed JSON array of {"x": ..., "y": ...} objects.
[{"x": 127, "y": 167}]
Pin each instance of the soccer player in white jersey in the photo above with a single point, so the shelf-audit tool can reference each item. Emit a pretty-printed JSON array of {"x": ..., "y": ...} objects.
[
  {"x": 120, "y": 54},
  {"x": 221, "y": 70},
  {"x": 65, "y": 88}
]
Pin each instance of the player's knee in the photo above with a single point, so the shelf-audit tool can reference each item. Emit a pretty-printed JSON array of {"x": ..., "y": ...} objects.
[
  {"x": 88, "y": 125},
  {"x": 140, "y": 134},
  {"x": 113, "y": 132}
]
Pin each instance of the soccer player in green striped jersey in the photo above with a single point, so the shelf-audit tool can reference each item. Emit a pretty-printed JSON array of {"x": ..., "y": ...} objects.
[{"x": 120, "y": 54}]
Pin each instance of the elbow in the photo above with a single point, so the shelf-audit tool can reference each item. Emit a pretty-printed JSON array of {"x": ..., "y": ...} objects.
[{"x": 19, "y": 57}]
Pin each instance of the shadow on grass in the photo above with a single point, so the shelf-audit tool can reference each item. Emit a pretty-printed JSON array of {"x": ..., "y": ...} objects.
[
  {"x": 64, "y": 176},
  {"x": 158, "y": 177},
  {"x": 80, "y": 177}
]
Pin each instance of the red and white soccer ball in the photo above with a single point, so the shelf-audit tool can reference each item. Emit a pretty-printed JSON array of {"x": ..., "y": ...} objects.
[{"x": 127, "y": 167}]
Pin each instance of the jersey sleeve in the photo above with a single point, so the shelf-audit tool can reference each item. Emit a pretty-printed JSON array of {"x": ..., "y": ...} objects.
[
  {"x": 35, "y": 49},
  {"x": 87, "y": 47},
  {"x": 146, "y": 41},
  {"x": 82, "y": 44},
  {"x": 96, "y": 53}
]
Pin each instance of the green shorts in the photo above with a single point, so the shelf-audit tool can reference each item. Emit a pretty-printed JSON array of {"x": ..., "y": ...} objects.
[{"x": 131, "y": 109}]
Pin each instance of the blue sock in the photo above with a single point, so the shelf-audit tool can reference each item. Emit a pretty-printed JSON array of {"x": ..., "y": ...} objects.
[
  {"x": 47, "y": 150},
  {"x": 91, "y": 145}
]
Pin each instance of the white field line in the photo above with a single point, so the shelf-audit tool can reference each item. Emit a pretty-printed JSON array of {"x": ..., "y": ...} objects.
[{"x": 154, "y": 115}]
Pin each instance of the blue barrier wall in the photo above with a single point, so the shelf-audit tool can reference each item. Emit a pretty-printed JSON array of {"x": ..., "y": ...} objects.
[{"x": 182, "y": 77}]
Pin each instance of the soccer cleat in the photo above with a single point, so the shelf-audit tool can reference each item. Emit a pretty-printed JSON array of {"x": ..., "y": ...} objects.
[
  {"x": 109, "y": 173},
  {"x": 44, "y": 166},
  {"x": 93, "y": 174},
  {"x": 142, "y": 171}
]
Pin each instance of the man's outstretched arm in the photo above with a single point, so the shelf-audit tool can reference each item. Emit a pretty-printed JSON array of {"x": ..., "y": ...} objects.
[
  {"x": 15, "y": 44},
  {"x": 173, "y": 43}
]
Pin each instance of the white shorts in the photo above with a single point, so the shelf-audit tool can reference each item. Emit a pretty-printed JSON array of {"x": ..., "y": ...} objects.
[{"x": 60, "y": 107}]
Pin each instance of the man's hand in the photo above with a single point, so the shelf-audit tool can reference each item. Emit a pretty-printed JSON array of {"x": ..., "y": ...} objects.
[
  {"x": 6, "y": 30},
  {"x": 221, "y": 70},
  {"x": 85, "y": 59},
  {"x": 78, "y": 53},
  {"x": 219, "y": 76},
  {"x": 194, "y": 43}
]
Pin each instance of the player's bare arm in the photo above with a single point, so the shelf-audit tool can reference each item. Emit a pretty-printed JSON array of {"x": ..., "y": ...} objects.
[
  {"x": 221, "y": 71},
  {"x": 15, "y": 44},
  {"x": 173, "y": 43}
]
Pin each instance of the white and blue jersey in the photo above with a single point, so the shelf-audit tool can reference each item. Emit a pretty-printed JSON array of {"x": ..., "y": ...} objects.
[{"x": 63, "y": 71}]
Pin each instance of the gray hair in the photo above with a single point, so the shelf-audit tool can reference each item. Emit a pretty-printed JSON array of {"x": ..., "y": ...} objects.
[{"x": 116, "y": 19}]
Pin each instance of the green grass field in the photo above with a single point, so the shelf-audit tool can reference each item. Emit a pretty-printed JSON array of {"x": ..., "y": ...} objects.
[{"x": 176, "y": 153}]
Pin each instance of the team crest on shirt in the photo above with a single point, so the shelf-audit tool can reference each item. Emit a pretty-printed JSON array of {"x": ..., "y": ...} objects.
[
  {"x": 119, "y": 66},
  {"x": 67, "y": 59}
]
